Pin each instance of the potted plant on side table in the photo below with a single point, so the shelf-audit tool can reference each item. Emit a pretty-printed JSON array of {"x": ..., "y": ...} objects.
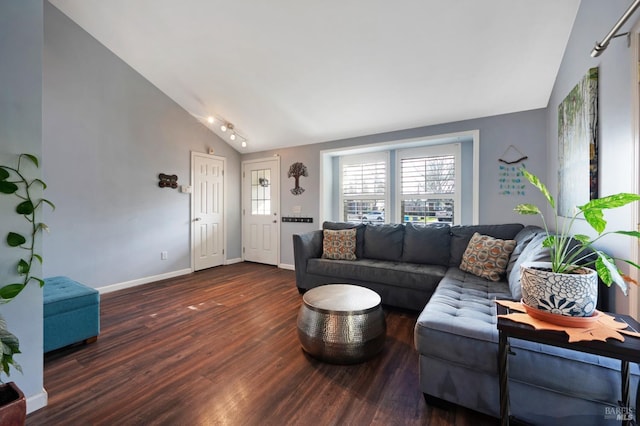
[
  {"x": 568, "y": 285},
  {"x": 14, "y": 182}
]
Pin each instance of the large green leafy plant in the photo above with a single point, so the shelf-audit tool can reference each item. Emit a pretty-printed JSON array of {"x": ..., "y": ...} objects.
[
  {"x": 13, "y": 181},
  {"x": 565, "y": 252}
]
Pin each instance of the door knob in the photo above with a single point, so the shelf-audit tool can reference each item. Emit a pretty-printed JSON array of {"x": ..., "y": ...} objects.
[
  {"x": 197, "y": 219},
  {"x": 275, "y": 221}
]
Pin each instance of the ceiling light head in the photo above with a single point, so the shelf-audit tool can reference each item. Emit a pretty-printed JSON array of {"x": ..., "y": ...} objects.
[
  {"x": 223, "y": 127},
  {"x": 244, "y": 144},
  {"x": 210, "y": 120},
  {"x": 232, "y": 136}
]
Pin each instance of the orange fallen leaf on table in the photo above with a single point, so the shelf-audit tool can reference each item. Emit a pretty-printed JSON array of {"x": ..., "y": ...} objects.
[{"x": 604, "y": 328}]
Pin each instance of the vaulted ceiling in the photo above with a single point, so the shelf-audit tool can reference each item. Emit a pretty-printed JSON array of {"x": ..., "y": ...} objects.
[{"x": 289, "y": 73}]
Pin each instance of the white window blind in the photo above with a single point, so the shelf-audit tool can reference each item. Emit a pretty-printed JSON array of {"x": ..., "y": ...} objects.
[
  {"x": 364, "y": 179},
  {"x": 429, "y": 175},
  {"x": 428, "y": 184},
  {"x": 364, "y": 187}
]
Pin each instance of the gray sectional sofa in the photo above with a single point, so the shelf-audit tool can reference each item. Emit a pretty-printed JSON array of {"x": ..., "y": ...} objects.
[{"x": 417, "y": 267}]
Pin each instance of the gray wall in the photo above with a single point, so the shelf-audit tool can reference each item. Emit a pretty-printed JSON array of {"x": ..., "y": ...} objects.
[
  {"x": 21, "y": 131},
  {"x": 526, "y": 130},
  {"x": 108, "y": 133},
  {"x": 594, "y": 20}
]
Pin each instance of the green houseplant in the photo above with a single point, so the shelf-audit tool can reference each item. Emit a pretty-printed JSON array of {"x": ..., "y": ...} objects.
[
  {"x": 13, "y": 181},
  {"x": 567, "y": 250}
]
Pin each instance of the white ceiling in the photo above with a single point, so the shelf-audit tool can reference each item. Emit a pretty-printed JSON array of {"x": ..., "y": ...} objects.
[{"x": 291, "y": 72}]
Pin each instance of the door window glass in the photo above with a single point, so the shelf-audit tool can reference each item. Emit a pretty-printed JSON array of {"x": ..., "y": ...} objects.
[{"x": 261, "y": 192}]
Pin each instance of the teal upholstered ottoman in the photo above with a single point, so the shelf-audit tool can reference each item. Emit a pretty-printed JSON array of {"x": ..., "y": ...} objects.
[{"x": 71, "y": 313}]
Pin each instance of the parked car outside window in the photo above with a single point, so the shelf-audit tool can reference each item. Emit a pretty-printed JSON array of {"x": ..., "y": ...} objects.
[{"x": 373, "y": 217}]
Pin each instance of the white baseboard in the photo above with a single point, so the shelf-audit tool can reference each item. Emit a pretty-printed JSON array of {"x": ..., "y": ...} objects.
[
  {"x": 232, "y": 261},
  {"x": 141, "y": 281},
  {"x": 37, "y": 401},
  {"x": 287, "y": 266}
]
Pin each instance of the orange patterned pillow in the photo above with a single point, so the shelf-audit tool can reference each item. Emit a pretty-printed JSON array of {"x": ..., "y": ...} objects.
[
  {"x": 487, "y": 257},
  {"x": 339, "y": 245}
]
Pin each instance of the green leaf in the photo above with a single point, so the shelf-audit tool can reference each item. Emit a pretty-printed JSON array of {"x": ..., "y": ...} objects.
[
  {"x": 611, "y": 202},
  {"x": 603, "y": 271},
  {"x": 8, "y": 187},
  {"x": 10, "y": 342},
  {"x": 631, "y": 263},
  {"x": 527, "y": 209},
  {"x": 629, "y": 233},
  {"x": 609, "y": 272},
  {"x": 538, "y": 184},
  {"x": 33, "y": 158},
  {"x": 10, "y": 291},
  {"x": 582, "y": 238},
  {"x": 41, "y": 182},
  {"x": 39, "y": 280},
  {"x": 53, "y": 206},
  {"x": 4, "y": 174},
  {"x": 37, "y": 256},
  {"x": 15, "y": 240},
  {"x": 23, "y": 267},
  {"x": 595, "y": 218},
  {"x": 25, "y": 207},
  {"x": 550, "y": 241}
]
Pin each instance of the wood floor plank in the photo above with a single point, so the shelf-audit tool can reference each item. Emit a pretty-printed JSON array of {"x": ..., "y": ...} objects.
[{"x": 220, "y": 347}]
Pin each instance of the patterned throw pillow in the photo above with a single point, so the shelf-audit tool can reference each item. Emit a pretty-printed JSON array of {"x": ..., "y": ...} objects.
[
  {"x": 339, "y": 245},
  {"x": 487, "y": 257}
]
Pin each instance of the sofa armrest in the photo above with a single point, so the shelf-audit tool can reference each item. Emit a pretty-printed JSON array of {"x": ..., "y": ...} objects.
[{"x": 305, "y": 246}]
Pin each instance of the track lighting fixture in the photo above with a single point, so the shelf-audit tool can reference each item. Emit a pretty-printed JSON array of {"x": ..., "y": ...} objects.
[{"x": 225, "y": 127}]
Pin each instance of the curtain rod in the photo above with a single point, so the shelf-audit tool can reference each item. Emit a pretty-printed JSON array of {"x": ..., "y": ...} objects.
[{"x": 600, "y": 47}]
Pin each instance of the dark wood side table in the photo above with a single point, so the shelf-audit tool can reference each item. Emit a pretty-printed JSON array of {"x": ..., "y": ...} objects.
[{"x": 627, "y": 351}]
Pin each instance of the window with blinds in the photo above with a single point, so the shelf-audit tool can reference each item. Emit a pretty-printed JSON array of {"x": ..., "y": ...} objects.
[
  {"x": 364, "y": 181},
  {"x": 428, "y": 184}
]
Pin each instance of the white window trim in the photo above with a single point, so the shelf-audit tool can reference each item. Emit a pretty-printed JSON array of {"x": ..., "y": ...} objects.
[
  {"x": 365, "y": 158},
  {"x": 429, "y": 151}
]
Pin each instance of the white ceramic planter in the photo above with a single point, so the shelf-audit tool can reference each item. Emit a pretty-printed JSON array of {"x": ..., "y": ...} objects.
[{"x": 573, "y": 295}]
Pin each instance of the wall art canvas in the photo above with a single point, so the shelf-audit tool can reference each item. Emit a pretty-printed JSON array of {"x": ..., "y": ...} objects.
[{"x": 578, "y": 145}]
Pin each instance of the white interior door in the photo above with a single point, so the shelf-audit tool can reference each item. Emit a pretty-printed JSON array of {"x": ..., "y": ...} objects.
[
  {"x": 207, "y": 210},
  {"x": 260, "y": 208}
]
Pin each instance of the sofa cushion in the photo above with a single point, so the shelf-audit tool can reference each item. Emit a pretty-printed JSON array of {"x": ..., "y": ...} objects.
[
  {"x": 523, "y": 238},
  {"x": 339, "y": 244},
  {"x": 359, "y": 227},
  {"x": 404, "y": 275},
  {"x": 383, "y": 242},
  {"x": 487, "y": 257},
  {"x": 461, "y": 318},
  {"x": 426, "y": 244},
  {"x": 461, "y": 234}
]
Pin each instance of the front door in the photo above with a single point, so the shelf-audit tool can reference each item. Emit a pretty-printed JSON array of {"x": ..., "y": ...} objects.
[
  {"x": 260, "y": 209},
  {"x": 207, "y": 214}
]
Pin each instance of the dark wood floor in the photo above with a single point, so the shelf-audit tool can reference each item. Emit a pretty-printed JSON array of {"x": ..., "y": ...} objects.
[{"x": 219, "y": 347}]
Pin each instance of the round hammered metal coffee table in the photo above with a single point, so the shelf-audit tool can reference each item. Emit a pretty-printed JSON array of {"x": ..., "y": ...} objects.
[{"x": 341, "y": 323}]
